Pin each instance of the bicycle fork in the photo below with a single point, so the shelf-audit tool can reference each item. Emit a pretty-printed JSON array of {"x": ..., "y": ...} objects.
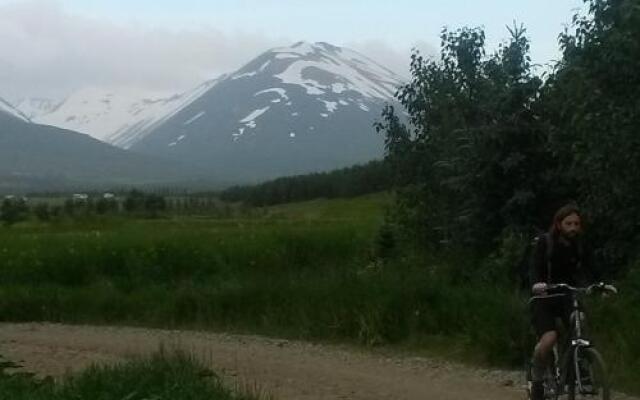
[{"x": 581, "y": 375}]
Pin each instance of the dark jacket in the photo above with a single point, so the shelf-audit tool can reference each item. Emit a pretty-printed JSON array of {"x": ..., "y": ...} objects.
[{"x": 563, "y": 263}]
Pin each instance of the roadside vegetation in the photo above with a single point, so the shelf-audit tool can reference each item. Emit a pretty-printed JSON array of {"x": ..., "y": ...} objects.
[{"x": 163, "y": 376}]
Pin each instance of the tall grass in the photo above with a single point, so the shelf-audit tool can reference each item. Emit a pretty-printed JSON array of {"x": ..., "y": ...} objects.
[{"x": 162, "y": 376}]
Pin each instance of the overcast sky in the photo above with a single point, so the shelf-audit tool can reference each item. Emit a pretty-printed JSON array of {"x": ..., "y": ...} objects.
[{"x": 49, "y": 48}]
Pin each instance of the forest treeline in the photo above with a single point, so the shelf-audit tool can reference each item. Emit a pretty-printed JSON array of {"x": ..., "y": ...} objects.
[{"x": 374, "y": 176}]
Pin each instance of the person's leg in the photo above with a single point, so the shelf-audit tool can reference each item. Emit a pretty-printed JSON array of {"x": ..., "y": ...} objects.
[
  {"x": 540, "y": 361},
  {"x": 542, "y": 353},
  {"x": 544, "y": 323}
]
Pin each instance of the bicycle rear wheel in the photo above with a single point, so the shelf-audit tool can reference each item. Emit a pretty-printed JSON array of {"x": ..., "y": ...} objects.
[{"x": 592, "y": 373}]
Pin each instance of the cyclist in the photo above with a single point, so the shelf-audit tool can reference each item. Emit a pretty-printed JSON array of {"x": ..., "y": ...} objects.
[{"x": 560, "y": 256}]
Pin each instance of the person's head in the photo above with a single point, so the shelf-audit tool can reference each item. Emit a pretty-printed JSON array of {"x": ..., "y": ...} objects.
[{"x": 567, "y": 222}]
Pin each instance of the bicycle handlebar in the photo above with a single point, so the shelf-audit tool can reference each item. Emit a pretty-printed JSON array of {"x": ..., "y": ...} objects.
[{"x": 601, "y": 286}]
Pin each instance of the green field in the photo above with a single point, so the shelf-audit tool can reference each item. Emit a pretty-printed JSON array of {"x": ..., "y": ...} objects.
[
  {"x": 305, "y": 270},
  {"x": 183, "y": 271}
]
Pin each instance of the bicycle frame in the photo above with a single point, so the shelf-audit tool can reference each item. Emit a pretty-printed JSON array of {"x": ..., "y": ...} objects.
[
  {"x": 568, "y": 364},
  {"x": 575, "y": 352}
]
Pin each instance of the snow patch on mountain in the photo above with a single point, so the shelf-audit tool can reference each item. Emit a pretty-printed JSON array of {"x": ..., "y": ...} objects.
[
  {"x": 279, "y": 91},
  {"x": 245, "y": 75},
  {"x": 236, "y": 136},
  {"x": 180, "y": 138},
  {"x": 194, "y": 118},
  {"x": 330, "y": 105},
  {"x": 338, "y": 88},
  {"x": 293, "y": 75},
  {"x": 254, "y": 114},
  {"x": 349, "y": 79}
]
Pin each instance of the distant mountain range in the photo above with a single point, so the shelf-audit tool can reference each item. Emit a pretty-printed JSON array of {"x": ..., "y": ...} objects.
[
  {"x": 291, "y": 110},
  {"x": 118, "y": 117},
  {"x": 44, "y": 157}
]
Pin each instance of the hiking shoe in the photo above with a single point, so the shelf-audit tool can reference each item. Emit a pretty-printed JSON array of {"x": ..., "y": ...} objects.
[{"x": 537, "y": 391}]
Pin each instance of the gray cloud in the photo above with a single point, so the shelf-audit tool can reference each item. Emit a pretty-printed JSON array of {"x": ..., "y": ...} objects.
[
  {"x": 398, "y": 59},
  {"x": 47, "y": 51}
]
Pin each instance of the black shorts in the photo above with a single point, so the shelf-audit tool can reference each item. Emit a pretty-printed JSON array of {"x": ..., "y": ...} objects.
[{"x": 545, "y": 312}]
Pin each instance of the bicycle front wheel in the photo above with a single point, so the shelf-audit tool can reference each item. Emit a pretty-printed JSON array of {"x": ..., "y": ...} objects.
[{"x": 590, "y": 377}]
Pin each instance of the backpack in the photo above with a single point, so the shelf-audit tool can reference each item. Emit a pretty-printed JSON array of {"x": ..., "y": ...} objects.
[{"x": 526, "y": 264}]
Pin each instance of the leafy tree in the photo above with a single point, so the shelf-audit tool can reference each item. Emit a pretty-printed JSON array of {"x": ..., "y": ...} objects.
[
  {"x": 592, "y": 104},
  {"x": 467, "y": 159},
  {"x": 151, "y": 204},
  {"x": 13, "y": 211}
]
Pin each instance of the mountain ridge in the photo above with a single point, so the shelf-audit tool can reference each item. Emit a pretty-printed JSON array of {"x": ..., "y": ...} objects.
[{"x": 304, "y": 108}]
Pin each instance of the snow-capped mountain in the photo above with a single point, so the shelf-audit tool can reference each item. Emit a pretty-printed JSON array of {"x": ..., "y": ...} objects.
[
  {"x": 291, "y": 110},
  {"x": 34, "y": 107},
  {"x": 297, "y": 109},
  {"x": 8, "y": 109},
  {"x": 118, "y": 117}
]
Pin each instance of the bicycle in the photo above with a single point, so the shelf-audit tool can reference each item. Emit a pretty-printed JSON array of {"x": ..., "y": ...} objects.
[{"x": 579, "y": 369}]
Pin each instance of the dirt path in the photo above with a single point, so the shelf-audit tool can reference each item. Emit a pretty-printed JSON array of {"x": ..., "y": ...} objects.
[{"x": 287, "y": 370}]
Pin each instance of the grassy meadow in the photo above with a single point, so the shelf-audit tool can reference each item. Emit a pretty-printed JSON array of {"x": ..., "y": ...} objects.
[
  {"x": 186, "y": 271},
  {"x": 305, "y": 270}
]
